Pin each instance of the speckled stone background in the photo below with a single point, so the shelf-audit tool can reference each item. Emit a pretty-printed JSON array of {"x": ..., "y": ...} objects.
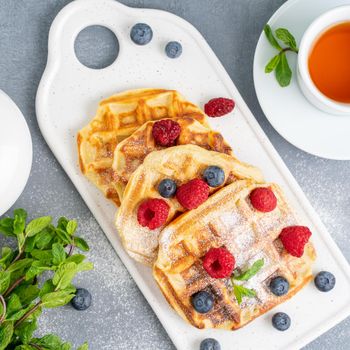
[{"x": 120, "y": 317}]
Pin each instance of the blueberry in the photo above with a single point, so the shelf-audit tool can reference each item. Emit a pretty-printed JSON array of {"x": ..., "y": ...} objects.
[
  {"x": 214, "y": 176},
  {"x": 279, "y": 286},
  {"x": 82, "y": 299},
  {"x": 210, "y": 344},
  {"x": 167, "y": 188},
  {"x": 281, "y": 321},
  {"x": 141, "y": 34},
  {"x": 202, "y": 302},
  {"x": 325, "y": 281},
  {"x": 173, "y": 49}
]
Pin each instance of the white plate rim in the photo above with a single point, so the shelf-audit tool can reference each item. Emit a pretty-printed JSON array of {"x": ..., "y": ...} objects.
[{"x": 23, "y": 172}]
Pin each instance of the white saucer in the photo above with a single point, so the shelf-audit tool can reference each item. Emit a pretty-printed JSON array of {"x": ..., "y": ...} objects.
[
  {"x": 15, "y": 152},
  {"x": 299, "y": 122}
]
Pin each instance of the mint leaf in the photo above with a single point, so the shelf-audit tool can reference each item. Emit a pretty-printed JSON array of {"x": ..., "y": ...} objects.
[
  {"x": 76, "y": 258},
  {"x": 13, "y": 304},
  {"x": 37, "y": 225},
  {"x": 19, "y": 314},
  {"x": 6, "y": 332},
  {"x": 81, "y": 244},
  {"x": 71, "y": 227},
  {"x": 27, "y": 293},
  {"x": 5, "y": 278},
  {"x": 85, "y": 346},
  {"x": 20, "y": 240},
  {"x": 45, "y": 256},
  {"x": 30, "y": 244},
  {"x": 85, "y": 266},
  {"x": 62, "y": 223},
  {"x": 284, "y": 35},
  {"x": 240, "y": 292},
  {"x": 253, "y": 270},
  {"x": 47, "y": 287},
  {"x": 58, "y": 253},
  {"x": 64, "y": 236},
  {"x": 272, "y": 64},
  {"x": 19, "y": 223},
  {"x": 25, "y": 331},
  {"x": 36, "y": 269},
  {"x": 6, "y": 227},
  {"x": 50, "y": 341},
  {"x": 70, "y": 289},
  {"x": 25, "y": 347},
  {"x": 43, "y": 238},
  {"x": 66, "y": 346},
  {"x": 283, "y": 72},
  {"x": 270, "y": 37},
  {"x": 20, "y": 264},
  {"x": 6, "y": 257},
  {"x": 64, "y": 275},
  {"x": 56, "y": 299}
]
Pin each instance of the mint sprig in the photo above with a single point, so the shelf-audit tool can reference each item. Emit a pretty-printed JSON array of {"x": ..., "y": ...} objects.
[
  {"x": 252, "y": 271},
  {"x": 240, "y": 291},
  {"x": 41, "y": 247},
  {"x": 279, "y": 63}
]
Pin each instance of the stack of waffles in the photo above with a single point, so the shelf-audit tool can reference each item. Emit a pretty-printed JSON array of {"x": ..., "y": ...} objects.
[{"x": 175, "y": 234}]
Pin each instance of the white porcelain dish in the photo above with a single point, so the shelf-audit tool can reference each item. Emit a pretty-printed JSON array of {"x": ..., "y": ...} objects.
[
  {"x": 287, "y": 109},
  {"x": 317, "y": 27},
  {"x": 66, "y": 100},
  {"x": 15, "y": 152}
]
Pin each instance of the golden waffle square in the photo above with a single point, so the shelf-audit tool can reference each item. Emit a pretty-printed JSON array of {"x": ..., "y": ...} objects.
[
  {"x": 181, "y": 164},
  {"x": 228, "y": 219},
  {"x": 131, "y": 152},
  {"x": 117, "y": 118}
]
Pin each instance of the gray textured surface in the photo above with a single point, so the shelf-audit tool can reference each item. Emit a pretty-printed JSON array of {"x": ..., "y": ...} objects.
[{"x": 120, "y": 317}]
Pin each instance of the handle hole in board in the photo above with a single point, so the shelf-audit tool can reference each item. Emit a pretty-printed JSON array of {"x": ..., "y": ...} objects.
[{"x": 96, "y": 47}]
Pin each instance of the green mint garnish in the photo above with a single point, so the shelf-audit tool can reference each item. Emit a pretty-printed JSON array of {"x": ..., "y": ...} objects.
[
  {"x": 253, "y": 270},
  {"x": 240, "y": 291},
  {"x": 279, "y": 62}
]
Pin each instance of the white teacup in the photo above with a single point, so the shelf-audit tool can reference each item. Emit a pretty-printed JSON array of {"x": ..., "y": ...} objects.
[{"x": 317, "y": 27}]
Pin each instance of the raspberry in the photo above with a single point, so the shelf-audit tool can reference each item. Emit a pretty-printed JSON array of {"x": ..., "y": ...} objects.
[
  {"x": 294, "y": 239},
  {"x": 165, "y": 132},
  {"x": 192, "y": 194},
  {"x": 153, "y": 213},
  {"x": 219, "y": 262},
  {"x": 263, "y": 199},
  {"x": 217, "y": 107}
]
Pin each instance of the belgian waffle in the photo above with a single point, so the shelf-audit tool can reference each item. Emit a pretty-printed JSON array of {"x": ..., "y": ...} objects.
[
  {"x": 131, "y": 152},
  {"x": 117, "y": 118},
  {"x": 181, "y": 163},
  {"x": 228, "y": 219}
]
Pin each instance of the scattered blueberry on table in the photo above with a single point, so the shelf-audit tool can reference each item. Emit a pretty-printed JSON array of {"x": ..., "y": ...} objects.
[
  {"x": 279, "y": 286},
  {"x": 324, "y": 281},
  {"x": 167, "y": 188},
  {"x": 141, "y": 34},
  {"x": 281, "y": 321},
  {"x": 82, "y": 299},
  {"x": 173, "y": 49},
  {"x": 210, "y": 344},
  {"x": 214, "y": 176},
  {"x": 202, "y": 302}
]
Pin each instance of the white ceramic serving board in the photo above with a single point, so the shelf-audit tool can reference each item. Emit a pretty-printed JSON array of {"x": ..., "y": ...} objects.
[{"x": 67, "y": 99}]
